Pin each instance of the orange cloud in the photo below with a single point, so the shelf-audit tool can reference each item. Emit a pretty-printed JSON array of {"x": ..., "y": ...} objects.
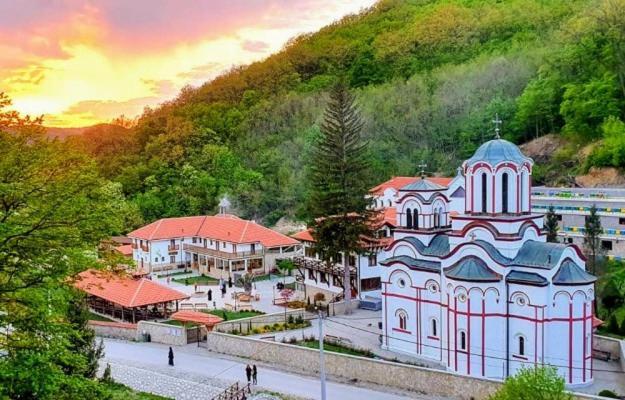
[{"x": 84, "y": 62}]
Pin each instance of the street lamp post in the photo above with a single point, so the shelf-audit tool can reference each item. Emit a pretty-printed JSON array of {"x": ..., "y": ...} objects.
[{"x": 322, "y": 367}]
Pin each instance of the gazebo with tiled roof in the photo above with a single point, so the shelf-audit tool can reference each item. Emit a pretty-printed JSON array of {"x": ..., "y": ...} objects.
[{"x": 127, "y": 298}]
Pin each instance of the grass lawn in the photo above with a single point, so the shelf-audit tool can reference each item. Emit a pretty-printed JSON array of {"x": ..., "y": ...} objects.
[
  {"x": 178, "y": 323},
  {"x": 97, "y": 317},
  {"x": 233, "y": 315},
  {"x": 199, "y": 280},
  {"x": 117, "y": 391},
  {"x": 173, "y": 274},
  {"x": 336, "y": 348}
]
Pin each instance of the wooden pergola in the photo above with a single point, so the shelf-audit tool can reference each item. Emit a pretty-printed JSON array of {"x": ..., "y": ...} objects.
[{"x": 128, "y": 298}]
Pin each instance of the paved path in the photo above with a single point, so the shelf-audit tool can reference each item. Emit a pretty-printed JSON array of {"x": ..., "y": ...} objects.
[{"x": 200, "y": 374}]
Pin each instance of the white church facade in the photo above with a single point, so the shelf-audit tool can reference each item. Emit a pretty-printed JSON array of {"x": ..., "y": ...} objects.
[{"x": 470, "y": 281}]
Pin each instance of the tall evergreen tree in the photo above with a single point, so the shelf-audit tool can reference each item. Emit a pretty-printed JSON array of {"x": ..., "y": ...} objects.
[
  {"x": 551, "y": 225},
  {"x": 592, "y": 241},
  {"x": 338, "y": 179}
]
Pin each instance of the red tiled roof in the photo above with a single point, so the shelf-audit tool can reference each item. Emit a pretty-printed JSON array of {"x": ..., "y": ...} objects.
[
  {"x": 596, "y": 322},
  {"x": 125, "y": 291},
  {"x": 398, "y": 182},
  {"x": 113, "y": 324},
  {"x": 195, "y": 316},
  {"x": 390, "y": 216},
  {"x": 305, "y": 235},
  {"x": 225, "y": 227},
  {"x": 125, "y": 249}
]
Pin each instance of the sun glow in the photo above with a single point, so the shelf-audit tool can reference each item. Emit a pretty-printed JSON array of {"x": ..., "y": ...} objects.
[{"x": 87, "y": 65}]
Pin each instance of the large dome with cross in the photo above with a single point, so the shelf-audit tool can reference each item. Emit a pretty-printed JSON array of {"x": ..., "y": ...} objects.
[{"x": 496, "y": 151}]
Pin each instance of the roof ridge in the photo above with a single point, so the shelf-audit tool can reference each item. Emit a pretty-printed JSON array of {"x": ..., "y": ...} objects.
[
  {"x": 134, "y": 296},
  {"x": 199, "y": 229},
  {"x": 160, "y": 221},
  {"x": 247, "y": 222}
]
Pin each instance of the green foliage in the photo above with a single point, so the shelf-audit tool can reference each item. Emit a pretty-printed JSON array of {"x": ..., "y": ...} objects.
[
  {"x": 592, "y": 240},
  {"x": 428, "y": 76},
  {"x": 538, "y": 383},
  {"x": 56, "y": 209},
  {"x": 551, "y": 225},
  {"x": 106, "y": 376},
  {"x": 609, "y": 394},
  {"x": 611, "y": 151}
]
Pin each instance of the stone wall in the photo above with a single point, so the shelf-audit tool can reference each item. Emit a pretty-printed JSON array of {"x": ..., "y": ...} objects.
[
  {"x": 615, "y": 347},
  {"x": 246, "y": 324},
  {"x": 406, "y": 377},
  {"x": 162, "y": 333},
  {"x": 115, "y": 330}
]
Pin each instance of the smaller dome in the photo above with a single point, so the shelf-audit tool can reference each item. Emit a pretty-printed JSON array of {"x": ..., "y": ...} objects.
[
  {"x": 496, "y": 151},
  {"x": 422, "y": 185}
]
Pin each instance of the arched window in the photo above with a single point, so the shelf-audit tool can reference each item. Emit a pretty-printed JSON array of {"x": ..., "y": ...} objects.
[
  {"x": 484, "y": 191},
  {"x": 434, "y": 328},
  {"x": 504, "y": 192},
  {"x": 463, "y": 340},
  {"x": 436, "y": 222},
  {"x": 402, "y": 319},
  {"x": 521, "y": 346},
  {"x": 415, "y": 218},
  {"x": 389, "y": 203},
  {"x": 408, "y": 218}
]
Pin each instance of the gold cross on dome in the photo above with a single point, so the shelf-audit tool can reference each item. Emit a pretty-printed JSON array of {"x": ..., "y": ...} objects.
[{"x": 497, "y": 121}]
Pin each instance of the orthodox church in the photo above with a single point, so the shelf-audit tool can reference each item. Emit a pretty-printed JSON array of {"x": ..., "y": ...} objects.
[{"x": 474, "y": 285}]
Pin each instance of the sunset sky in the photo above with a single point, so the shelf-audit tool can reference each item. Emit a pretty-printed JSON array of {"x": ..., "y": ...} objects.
[{"x": 83, "y": 62}]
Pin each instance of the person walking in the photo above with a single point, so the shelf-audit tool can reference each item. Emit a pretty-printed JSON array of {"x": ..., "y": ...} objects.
[
  {"x": 229, "y": 281},
  {"x": 248, "y": 373},
  {"x": 171, "y": 357},
  {"x": 254, "y": 374},
  {"x": 210, "y": 295},
  {"x": 168, "y": 280}
]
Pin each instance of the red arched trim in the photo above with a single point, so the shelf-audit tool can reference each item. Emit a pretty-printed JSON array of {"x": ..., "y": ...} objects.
[
  {"x": 479, "y": 165},
  {"x": 422, "y": 199},
  {"x": 507, "y": 165}
]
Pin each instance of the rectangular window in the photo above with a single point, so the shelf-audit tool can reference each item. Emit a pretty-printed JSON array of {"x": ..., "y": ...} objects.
[
  {"x": 569, "y": 240},
  {"x": 172, "y": 259},
  {"x": 194, "y": 239},
  {"x": 370, "y": 284},
  {"x": 559, "y": 217},
  {"x": 155, "y": 259},
  {"x": 621, "y": 221},
  {"x": 322, "y": 277},
  {"x": 373, "y": 260},
  {"x": 311, "y": 274},
  {"x": 163, "y": 259},
  {"x": 606, "y": 245}
]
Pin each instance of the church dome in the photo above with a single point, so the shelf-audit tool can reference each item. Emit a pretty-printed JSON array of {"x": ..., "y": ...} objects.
[{"x": 496, "y": 151}]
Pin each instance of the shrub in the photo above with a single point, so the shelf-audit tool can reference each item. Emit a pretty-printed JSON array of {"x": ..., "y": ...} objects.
[
  {"x": 609, "y": 394},
  {"x": 256, "y": 331},
  {"x": 613, "y": 325},
  {"x": 106, "y": 376},
  {"x": 291, "y": 320},
  {"x": 292, "y": 340},
  {"x": 267, "y": 327},
  {"x": 299, "y": 320},
  {"x": 533, "y": 383}
]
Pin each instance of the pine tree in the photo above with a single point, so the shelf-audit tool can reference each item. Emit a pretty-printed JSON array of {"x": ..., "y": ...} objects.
[
  {"x": 338, "y": 184},
  {"x": 592, "y": 241},
  {"x": 551, "y": 225}
]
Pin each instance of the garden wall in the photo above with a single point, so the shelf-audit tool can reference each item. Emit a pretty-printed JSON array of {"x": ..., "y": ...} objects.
[
  {"x": 115, "y": 330},
  {"x": 615, "y": 347},
  {"x": 406, "y": 377},
  {"x": 162, "y": 333},
  {"x": 245, "y": 325}
]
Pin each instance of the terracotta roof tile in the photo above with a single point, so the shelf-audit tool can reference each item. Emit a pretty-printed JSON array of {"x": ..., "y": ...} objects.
[
  {"x": 125, "y": 249},
  {"x": 125, "y": 291},
  {"x": 304, "y": 235},
  {"x": 196, "y": 316},
  {"x": 224, "y": 227}
]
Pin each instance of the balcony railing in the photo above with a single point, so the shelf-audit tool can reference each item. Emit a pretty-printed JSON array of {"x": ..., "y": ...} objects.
[
  {"x": 319, "y": 265},
  {"x": 134, "y": 246},
  {"x": 173, "y": 248},
  {"x": 145, "y": 247},
  {"x": 222, "y": 254}
]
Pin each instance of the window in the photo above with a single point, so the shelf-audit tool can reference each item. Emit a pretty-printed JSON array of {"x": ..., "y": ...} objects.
[
  {"x": 311, "y": 274},
  {"x": 559, "y": 217},
  {"x": 172, "y": 259},
  {"x": 606, "y": 245},
  {"x": 484, "y": 192},
  {"x": 322, "y": 277},
  {"x": 163, "y": 259},
  {"x": 521, "y": 341},
  {"x": 172, "y": 242},
  {"x": 409, "y": 218},
  {"x": 370, "y": 284},
  {"x": 569, "y": 240},
  {"x": 401, "y": 282},
  {"x": 621, "y": 221},
  {"x": 415, "y": 218},
  {"x": 155, "y": 259},
  {"x": 504, "y": 192},
  {"x": 389, "y": 203},
  {"x": 402, "y": 319},
  {"x": 434, "y": 328},
  {"x": 437, "y": 218},
  {"x": 194, "y": 239},
  {"x": 463, "y": 340},
  {"x": 373, "y": 260}
]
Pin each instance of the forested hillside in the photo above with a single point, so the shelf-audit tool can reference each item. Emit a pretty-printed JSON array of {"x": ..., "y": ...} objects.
[{"x": 429, "y": 76}]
